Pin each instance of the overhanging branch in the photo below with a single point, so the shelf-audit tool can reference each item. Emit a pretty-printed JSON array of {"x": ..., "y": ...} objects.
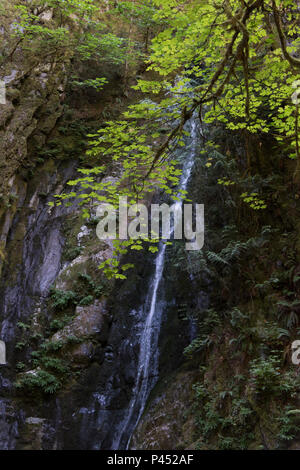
[{"x": 291, "y": 59}]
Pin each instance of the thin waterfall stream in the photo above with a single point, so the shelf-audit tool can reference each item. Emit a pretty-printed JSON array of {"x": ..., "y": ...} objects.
[
  {"x": 147, "y": 371},
  {"x": 118, "y": 387}
]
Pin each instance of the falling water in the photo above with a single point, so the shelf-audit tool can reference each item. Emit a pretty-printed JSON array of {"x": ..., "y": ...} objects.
[{"x": 147, "y": 371}]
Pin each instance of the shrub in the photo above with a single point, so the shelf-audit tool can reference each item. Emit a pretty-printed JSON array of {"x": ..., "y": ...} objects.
[
  {"x": 60, "y": 323},
  {"x": 62, "y": 299},
  {"x": 267, "y": 377},
  {"x": 52, "y": 345},
  {"x": 289, "y": 424},
  {"x": 42, "y": 379},
  {"x": 55, "y": 364},
  {"x": 71, "y": 253},
  {"x": 86, "y": 300}
]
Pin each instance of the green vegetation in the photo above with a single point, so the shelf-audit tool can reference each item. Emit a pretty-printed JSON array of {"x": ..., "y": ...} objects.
[
  {"x": 49, "y": 368},
  {"x": 40, "y": 379},
  {"x": 234, "y": 428},
  {"x": 62, "y": 299},
  {"x": 249, "y": 273},
  {"x": 234, "y": 65},
  {"x": 233, "y": 60},
  {"x": 86, "y": 291},
  {"x": 56, "y": 31}
]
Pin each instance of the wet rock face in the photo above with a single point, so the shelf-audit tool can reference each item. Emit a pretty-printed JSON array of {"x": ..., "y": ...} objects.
[
  {"x": 79, "y": 417},
  {"x": 34, "y": 240},
  {"x": 109, "y": 384},
  {"x": 34, "y": 99},
  {"x": 89, "y": 321},
  {"x": 33, "y": 260},
  {"x": 33, "y": 256},
  {"x": 31, "y": 112},
  {"x": 33, "y": 433},
  {"x": 164, "y": 425},
  {"x": 8, "y": 425},
  {"x": 33, "y": 106},
  {"x": 85, "y": 413}
]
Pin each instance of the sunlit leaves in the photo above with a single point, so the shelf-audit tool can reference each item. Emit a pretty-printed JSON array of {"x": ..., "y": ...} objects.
[
  {"x": 246, "y": 85},
  {"x": 254, "y": 201}
]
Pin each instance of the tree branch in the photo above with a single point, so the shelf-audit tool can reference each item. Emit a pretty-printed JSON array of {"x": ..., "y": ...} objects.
[{"x": 291, "y": 59}]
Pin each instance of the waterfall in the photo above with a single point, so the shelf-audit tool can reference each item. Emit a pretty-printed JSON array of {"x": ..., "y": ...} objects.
[
  {"x": 118, "y": 387},
  {"x": 147, "y": 371}
]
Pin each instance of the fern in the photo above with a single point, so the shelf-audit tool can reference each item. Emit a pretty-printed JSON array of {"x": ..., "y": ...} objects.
[{"x": 216, "y": 259}]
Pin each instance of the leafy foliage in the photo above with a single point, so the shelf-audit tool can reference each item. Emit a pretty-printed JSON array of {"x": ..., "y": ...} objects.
[
  {"x": 233, "y": 60},
  {"x": 267, "y": 377},
  {"x": 41, "y": 379},
  {"x": 233, "y": 428}
]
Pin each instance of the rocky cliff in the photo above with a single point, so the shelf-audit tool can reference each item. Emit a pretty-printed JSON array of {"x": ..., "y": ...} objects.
[{"x": 73, "y": 336}]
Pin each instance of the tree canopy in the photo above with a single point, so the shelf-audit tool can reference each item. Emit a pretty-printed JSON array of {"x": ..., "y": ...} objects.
[{"x": 234, "y": 62}]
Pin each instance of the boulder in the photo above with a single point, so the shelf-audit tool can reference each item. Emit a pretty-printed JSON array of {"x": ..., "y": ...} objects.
[{"x": 89, "y": 321}]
